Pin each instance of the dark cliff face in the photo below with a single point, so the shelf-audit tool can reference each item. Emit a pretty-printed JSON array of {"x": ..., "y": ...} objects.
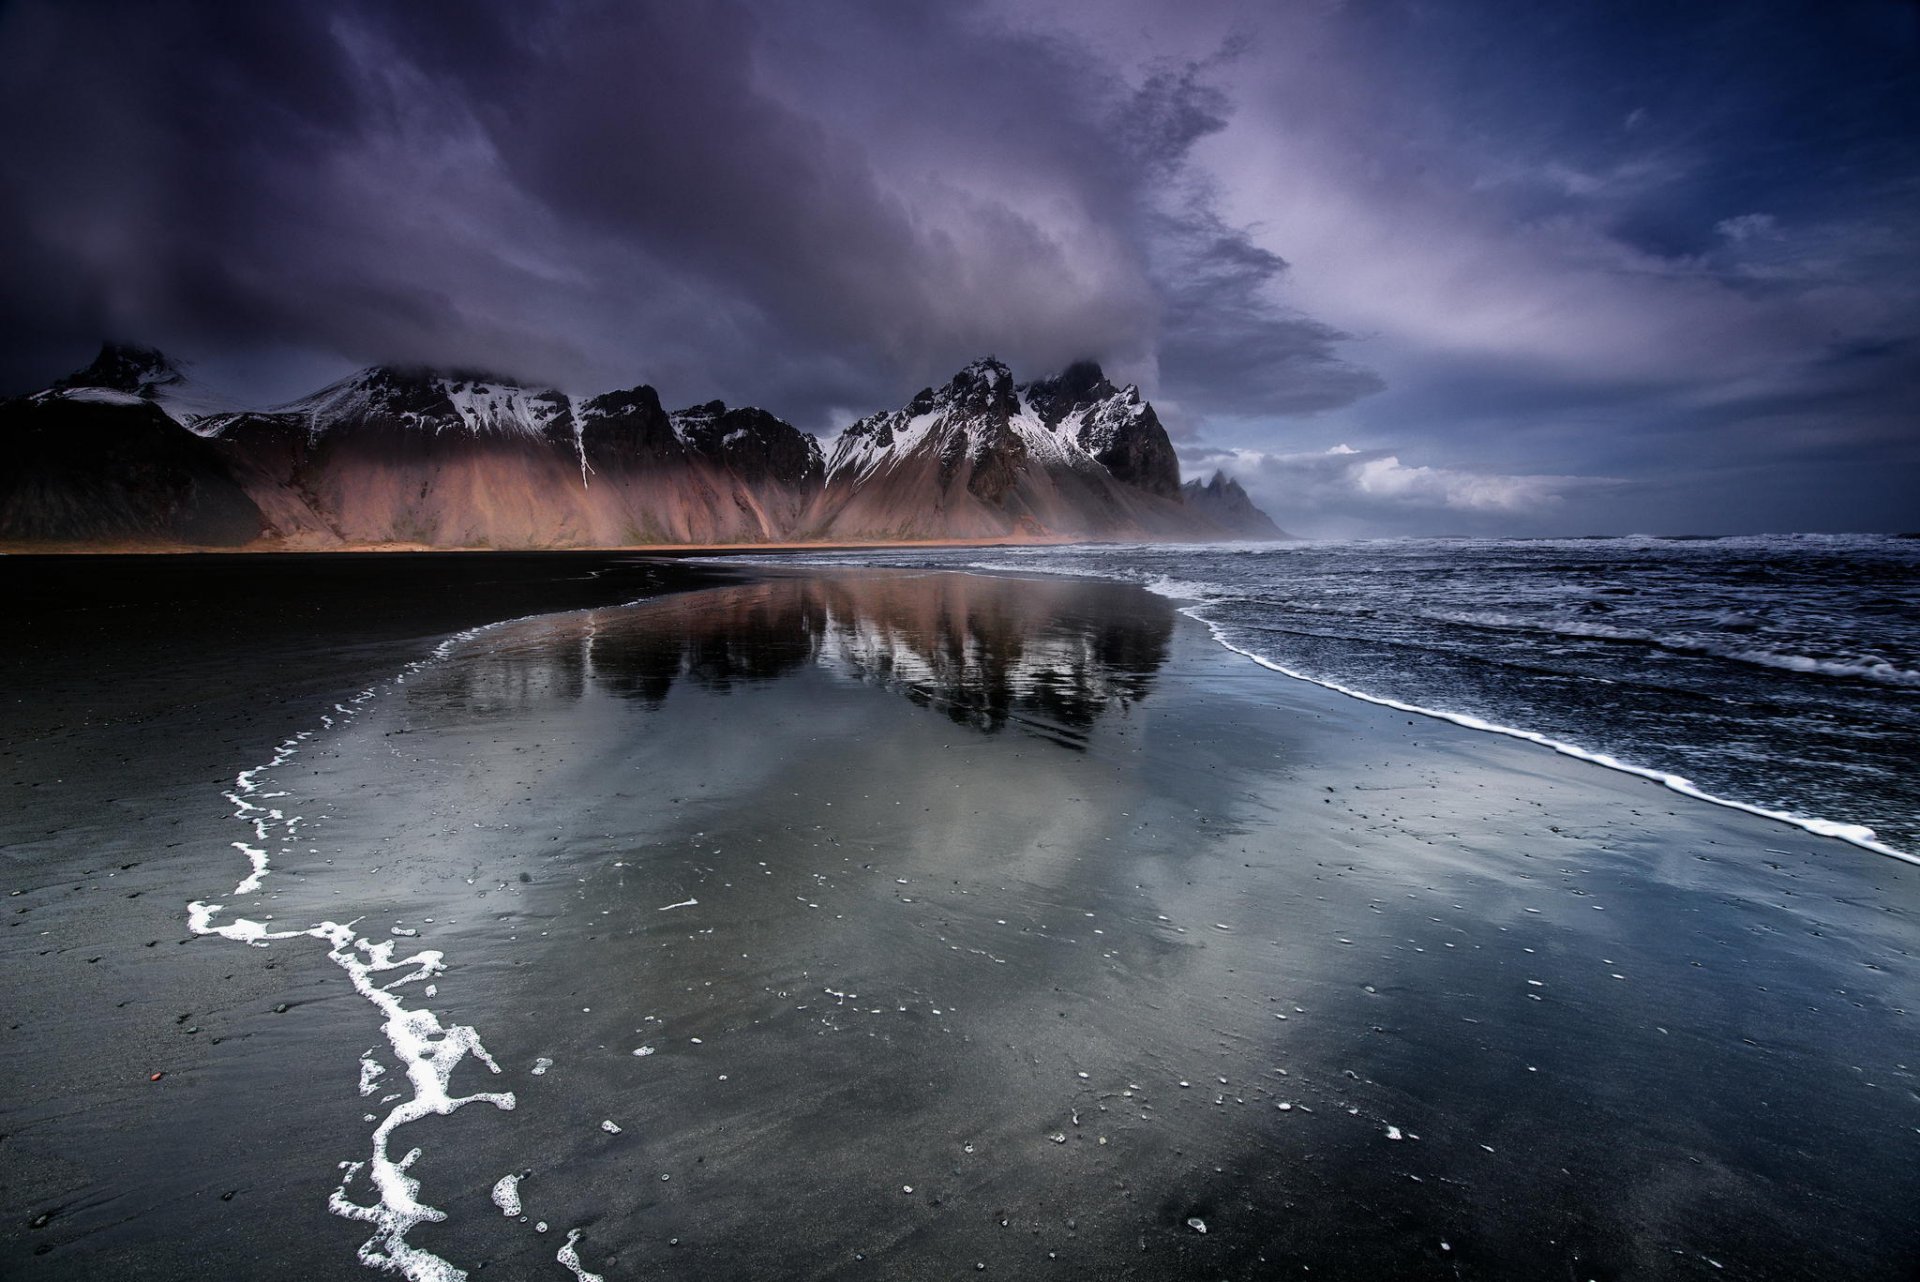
[
  {"x": 391, "y": 395},
  {"x": 753, "y": 443},
  {"x": 1222, "y": 501},
  {"x": 1075, "y": 387},
  {"x": 983, "y": 389},
  {"x": 627, "y": 427},
  {"x": 78, "y": 471},
  {"x": 1113, "y": 424}
]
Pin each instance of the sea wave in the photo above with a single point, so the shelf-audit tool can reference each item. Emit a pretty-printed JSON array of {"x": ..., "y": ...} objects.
[
  {"x": 1854, "y": 834},
  {"x": 1855, "y": 667}
]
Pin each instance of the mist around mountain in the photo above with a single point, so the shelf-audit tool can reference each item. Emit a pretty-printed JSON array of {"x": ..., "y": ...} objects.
[
  {"x": 128, "y": 452},
  {"x": 1224, "y": 502}
]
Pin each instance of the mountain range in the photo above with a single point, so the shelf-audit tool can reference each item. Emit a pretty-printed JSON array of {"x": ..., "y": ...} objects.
[{"x": 128, "y": 452}]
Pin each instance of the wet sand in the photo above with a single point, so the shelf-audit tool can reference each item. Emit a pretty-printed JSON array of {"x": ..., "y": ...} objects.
[
  {"x": 1025, "y": 896},
  {"x": 43, "y": 548},
  {"x": 135, "y": 689}
]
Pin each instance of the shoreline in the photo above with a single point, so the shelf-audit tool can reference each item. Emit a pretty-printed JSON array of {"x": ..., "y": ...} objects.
[
  {"x": 1861, "y": 835},
  {"x": 1168, "y": 866},
  {"x": 52, "y": 549},
  {"x": 1853, "y": 834}
]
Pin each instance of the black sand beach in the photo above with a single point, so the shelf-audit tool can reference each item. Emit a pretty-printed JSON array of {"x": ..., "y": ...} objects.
[{"x": 962, "y": 921}]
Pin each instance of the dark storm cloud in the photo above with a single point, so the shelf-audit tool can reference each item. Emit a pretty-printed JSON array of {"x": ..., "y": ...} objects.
[
  {"x": 1504, "y": 241},
  {"x": 1226, "y": 347},
  {"x": 818, "y": 208},
  {"x": 1174, "y": 108},
  {"x": 1635, "y": 241}
]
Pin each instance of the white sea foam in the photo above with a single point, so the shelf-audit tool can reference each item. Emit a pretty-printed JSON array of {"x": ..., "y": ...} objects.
[
  {"x": 571, "y": 1258},
  {"x": 428, "y": 1050},
  {"x": 1861, "y": 668},
  {"x": 262, "y": 819},
  {"x": 1182, "y": 589},
  {"x": 506, "y": 1196},
  {"x": 258, "y": 858},
  {"x": 1855, "y": 834}
]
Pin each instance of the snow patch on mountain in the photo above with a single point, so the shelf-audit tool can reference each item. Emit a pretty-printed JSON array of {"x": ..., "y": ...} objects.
[
  {"x": 432, "y": 403},
  {"x": 981, "y": 412},
  {"x": 503, "y": 407},
  {"x": 1098, "y": 427},
  {"x": 132, "y": 376}
]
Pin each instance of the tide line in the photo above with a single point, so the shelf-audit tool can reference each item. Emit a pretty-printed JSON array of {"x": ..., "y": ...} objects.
[{"x": 1853, "y": 834}]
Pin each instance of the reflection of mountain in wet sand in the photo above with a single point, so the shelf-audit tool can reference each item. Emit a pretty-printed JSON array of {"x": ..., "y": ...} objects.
[
  {"x": 973, "y": 647},
  {"x": 979, "y": 650}
]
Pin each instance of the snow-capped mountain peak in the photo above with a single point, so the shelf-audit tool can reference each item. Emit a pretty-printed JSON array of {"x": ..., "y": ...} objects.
[
  {"x": 1078, "y": 386},
  {"x": 1113, "y": 425},
  {"x": 982, "y": 453},
  {"x": 434, "y": 402},
  {"x": 128, "y": 374},
  {"x": 126, "y": 367},
  {"x": 984, "y": 387}
]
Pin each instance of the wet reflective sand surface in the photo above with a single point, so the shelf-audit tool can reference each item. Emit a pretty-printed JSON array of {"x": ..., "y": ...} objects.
[{"x": 884, "y": 924}]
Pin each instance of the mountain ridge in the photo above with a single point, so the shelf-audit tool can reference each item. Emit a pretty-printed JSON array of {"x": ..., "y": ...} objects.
[
  {"x": 457, "y": 458},
  {"x": 1224, "y": 501}
]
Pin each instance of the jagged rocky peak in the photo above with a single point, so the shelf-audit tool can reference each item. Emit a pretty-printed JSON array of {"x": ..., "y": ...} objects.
[
  {"x": 969, "y": 428},
  {"x": 982, "y": 392},
  {"x": 1223, "y": 501},
  {"x": 1113, "y": 424},
  {"x": 1078, "y": 386},
  {"x": 638, "y": 400},
  {"x": 984, "y": 387},
  {"x": 383, "y": 389},
  {"x": 629, "y": 423},
  {"x": 422, "y": 398},
  {"x": 1078, "y": 409},
  {"x": 126, "y": 367},
  {"x": 751, "y": 441},
  {"x": 1221, "y": 487}
]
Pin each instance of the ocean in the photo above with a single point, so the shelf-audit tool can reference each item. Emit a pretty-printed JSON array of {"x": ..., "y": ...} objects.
[{"x": 1777, "y": 673}]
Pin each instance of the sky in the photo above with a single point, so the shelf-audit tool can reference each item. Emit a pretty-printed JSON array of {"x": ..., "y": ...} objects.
[{"x": 1400, "y": 266}]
